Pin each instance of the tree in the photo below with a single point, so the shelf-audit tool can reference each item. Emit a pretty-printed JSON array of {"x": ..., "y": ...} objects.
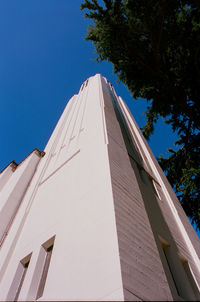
[{"x": 154, "y": 46}]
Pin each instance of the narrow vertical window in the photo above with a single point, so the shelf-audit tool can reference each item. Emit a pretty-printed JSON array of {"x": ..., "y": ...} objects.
[
  {"x": 24, "y": 270},
  {"x": 48, "y": 248},
  {"x": 180, "y": 271},
  {"x": 143, "y": 175},
  {"x": 155, "y": 188},
  {"x": 166, "y": 250},
  {"x": 191, "y": 277},
  {"x": 19, "y": 278},
  {"x": 82, "y": 86}
]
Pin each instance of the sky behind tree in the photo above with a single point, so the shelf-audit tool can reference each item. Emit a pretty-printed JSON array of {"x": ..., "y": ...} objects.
[{"x": 44, "y": 59}]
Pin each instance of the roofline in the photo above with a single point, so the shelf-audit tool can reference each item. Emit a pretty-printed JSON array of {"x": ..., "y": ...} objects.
[{"x": 14, "y": 165}]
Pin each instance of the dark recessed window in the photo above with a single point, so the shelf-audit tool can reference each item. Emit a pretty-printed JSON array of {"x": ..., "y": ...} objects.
[
  {"x": 19, "y": 278},
  {"x": 47, "y": 255}
]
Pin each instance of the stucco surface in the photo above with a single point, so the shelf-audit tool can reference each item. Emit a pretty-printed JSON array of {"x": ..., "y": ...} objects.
[{"x": 88, "y": 192}]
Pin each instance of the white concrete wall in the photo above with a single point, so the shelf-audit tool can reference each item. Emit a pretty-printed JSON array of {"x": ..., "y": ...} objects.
[
  {"x": 137, "y": 205},
  {"x": 6, "y": 174},
  {"x": 142, "y": 272},
  {"x": 14, "y": 185},
  {"x": 187, "y": 241},
  {"x": 70, "y": 197},
  {"x": 88, "y": 193}
]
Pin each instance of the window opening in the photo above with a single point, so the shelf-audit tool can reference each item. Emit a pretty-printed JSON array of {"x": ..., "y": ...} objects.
[
  {"x": 155, "y": 189},
  {"x": 82, "y": 86},
  {"x": 180, "y": 272},
  {"x": 166, "y": 250},
  {"x": 25, "y": 267},
  {"x": 190, "y": 276},
  {"x": 48, "y": 253},
  {"x": 143, "y": 175},
  {"x": 19, "y": 278}
]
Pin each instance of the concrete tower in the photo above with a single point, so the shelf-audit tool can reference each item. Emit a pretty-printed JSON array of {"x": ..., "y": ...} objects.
[{"x": 93, "y": 217}]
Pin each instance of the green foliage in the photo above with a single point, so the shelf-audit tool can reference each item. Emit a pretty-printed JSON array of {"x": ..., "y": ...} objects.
[
  {"x": 154, "y": 46},
  {"x": 183, "y": 172}
]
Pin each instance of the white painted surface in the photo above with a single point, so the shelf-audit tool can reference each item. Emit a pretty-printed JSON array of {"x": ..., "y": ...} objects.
[
  {"x": 6, "y": 174},
  {"x": 86, "y": 193},
  {"x": 71, "y": 197},
  {"x": 170, "y": 198},
  {"x": 13, "y": 191}
]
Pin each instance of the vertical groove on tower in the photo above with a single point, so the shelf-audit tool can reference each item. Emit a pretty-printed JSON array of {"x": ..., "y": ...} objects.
[{"x": 177, "y": 283}]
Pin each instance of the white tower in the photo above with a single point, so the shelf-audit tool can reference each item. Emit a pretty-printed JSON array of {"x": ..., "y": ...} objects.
[{"x": 94, "y": 218}]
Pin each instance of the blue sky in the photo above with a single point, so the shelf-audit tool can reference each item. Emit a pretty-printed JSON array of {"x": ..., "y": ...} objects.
[{"x": 43, "y": 61}]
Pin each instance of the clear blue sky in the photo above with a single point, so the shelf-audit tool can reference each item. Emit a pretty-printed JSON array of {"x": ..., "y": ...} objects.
[{"x": 43, "y": 61}]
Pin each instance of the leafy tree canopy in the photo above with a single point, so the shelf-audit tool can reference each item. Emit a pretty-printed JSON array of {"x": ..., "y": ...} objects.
[{"x": 154, "y": 46}]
